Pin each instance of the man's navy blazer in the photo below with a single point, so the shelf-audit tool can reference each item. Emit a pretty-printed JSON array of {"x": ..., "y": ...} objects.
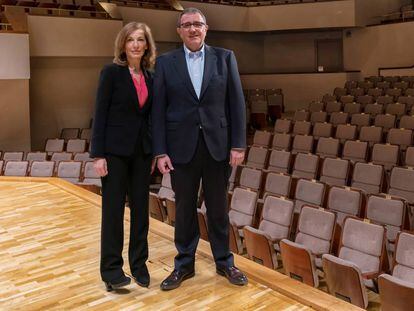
[
  {"x": 178, "y": 114},
  {"x": 119, "y": 123}
]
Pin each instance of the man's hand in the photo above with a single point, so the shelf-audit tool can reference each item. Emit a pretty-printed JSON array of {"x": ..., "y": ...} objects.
[
  {"x": 236, "y": 157},
  {"x": 164, "y": 164},
  {"x": 100, "y": 167}
]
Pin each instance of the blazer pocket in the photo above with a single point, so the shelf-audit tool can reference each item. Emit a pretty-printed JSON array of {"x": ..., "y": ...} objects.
[{"x": 223, "y": 122}]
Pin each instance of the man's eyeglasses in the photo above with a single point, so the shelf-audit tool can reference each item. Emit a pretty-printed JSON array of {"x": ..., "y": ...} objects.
[{"x": 196, "y": 25}]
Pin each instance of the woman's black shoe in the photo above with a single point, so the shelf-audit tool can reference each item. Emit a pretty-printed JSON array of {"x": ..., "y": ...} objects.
[
  {"x": 118, "y": 283},
  {"x": 142, "y": 277}
]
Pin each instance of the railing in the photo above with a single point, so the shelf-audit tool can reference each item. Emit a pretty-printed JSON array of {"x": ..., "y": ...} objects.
[{"x": 61, "y": 12}]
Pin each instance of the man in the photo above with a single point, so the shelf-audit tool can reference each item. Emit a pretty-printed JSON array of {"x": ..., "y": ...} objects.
[{"x": 198, "y": 130}]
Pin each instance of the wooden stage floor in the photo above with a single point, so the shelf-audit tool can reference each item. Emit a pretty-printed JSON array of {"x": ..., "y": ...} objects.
[{"x": 49, "y": 260}]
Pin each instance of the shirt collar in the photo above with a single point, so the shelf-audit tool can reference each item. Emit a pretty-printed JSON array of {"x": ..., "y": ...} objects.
[{"x": 187, "y": 51}]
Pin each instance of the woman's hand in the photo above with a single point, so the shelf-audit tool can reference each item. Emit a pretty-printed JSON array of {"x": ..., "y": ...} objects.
[{"x": 100, "y": 167}]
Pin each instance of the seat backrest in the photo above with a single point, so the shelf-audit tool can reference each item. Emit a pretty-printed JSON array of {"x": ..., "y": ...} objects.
[
  {"x": 42, "y": 168},
  {"x": 89, "y": 171},
  {"x": 16, "y": 168},
  {"x": 338, "y": 118},
  {"x": 396, "y": 109},
  {"x": 407, "y": 122},
  {"x": 368, "y": 177},
  {"x": 322, "y": 130},
  {"x": 309, "y": 192},
  {"x": 318, "y": 116},
  {"x": 262, "y": 138},
  {"x": 346, "y": 99},
  {"x": 283, "y": 126},
  {"x": 365, "y": 99},
  {"x": 166, "y": 191},
  {"x": 86, "y": 133},
  {"x": 352, "y": 108},
  {"x": 386, "y": 155},
  {"x": 386, "y": 121},
  {"x": 13, "y": 156},
  {"x": 76, "y": 145},
  {"x": 385, "y": 99},
  {"x": 344, "y": 201},
  {"x": 335, "y": 171},
  {"x": 302, "y": 143},
  {"x": 346, "y": 132},
  {"x": 279, "y": 161},
  {"x": 328, "y": 147},
  {"x": 356, "y": 92},
  {"x": 302, "y": 128},
  {"x": 389, "y": 211},
  {"x": 360, "y": 119},
  {"x": 276, "y": 217},
  {"x": 257, "y": 157},
  {"x": 375, "y": 92},
  {"x": 409, "y": 157},
  {"x": 277, "y": 184},
  {"x": 355, "y": 150},
  {"x": 54, "y": 145},
  {"x": 69, "y": 133},
  {"x": 69, "y": 170},
  {"x": 316, "y": 106},
  {"x": 243, "y": 206},
  {"x": 403, "y": 258},
  {"x": 371, "y": 134},
  {"x": 374, "y": 109},
  {"x": 315, "y": 229},
  {"x": 36, "y": 156},
  {"x": 402, "y": 183},
  {"x": 362, "y": 243},
  {"x": 82, "y": 156},
  {"x": 328, "y": 98},
  {"x": 301, "y": 115},
  {"x": 282, "y": 141},
  {"x": 400, "y": 137},
  {"x": 305, "y": 166},
  {"x": 333, "y": 106},
  {"x": 340, "y": 91},
  {"x": 251, "y": 178}
]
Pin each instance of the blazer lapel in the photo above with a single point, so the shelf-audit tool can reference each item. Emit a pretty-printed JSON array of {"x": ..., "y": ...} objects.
[
  {"x": 209, "y": 65},
  {"x": 181, "y": 67},
  {"x": 126, "y": 77}
]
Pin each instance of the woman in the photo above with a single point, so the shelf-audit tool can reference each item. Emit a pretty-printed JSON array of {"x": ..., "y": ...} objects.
[{"x": 121, "y": 148}]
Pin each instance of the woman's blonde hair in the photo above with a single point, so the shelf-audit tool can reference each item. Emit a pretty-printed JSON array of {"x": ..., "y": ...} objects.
[{"x": 148, "y": 60}]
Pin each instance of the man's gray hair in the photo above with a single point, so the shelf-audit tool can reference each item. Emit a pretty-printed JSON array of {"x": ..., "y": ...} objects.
[{"x": 190, "y": 11}]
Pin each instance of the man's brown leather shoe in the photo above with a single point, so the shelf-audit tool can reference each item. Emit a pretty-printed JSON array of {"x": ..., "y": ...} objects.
[
  {"x": 233, "y": 274},
  {"x": 175, "y": 278}
]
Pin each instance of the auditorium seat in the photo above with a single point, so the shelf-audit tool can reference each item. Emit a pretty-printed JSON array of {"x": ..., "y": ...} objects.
[
  {"x": 346, "y": 99},
  {"x": 351, "y": 84},
  {"x": 70, "y": 171},
  {"x": 83, "y": 157},
  {"x": 282, "y": 141},
  {"x": 166, "y": 191},
  {"x": 313, "y": 239},
  {"x": 54, "y": 145},
  {"x": 316, "y": 106},
  {"x": 355, "y": 151},
  {"x": 385, "y": 155},
  {"x": 403, "y": 85},
  {"x": 360, "y": 120},
  {"x": 345, "y": 132},
  {"x": 283, "y": 126},
  {"x": 407, "y": 122},
  {"x": 339, "y": 92},
  {"x": 250, "y": 178},
  {"x": 280, "y": 161},
  {"x": 242, "y": 212},
  {"x": 407, "y": 100},
  {"x": 42, "y": 169},
  {"x": 358, "y": 262},
  {"x": 16, "y": 168},
  {"x": 368, "y": 177},
  {"x": 396, "y": 109},
  {"x": 262, "y": 138},
  {"x": 345, "y": 201},
  {"x": 1, "y": 167},
  {"x": 391, "y": 79},
  {"x": 333, "y": 106},
  {"x": 389, "y": 211},
  {"x": 409, "y": 92},
  {"x": 374, "y": 109},
  {"x": 306, "y": 166},
  {"x": 308, "y": 192},
  {"x": 13, "y": 156},
  {"x": 275, "y": 105},
  {"x": 338, "y": 118},
  {"x": 328, "y": 147},
  {"x": 356, "y": 92},
  {"x": 302, "y": 128},
  {"x": 69, "y": 133},
  {"x": 90, "y": 176},
  {"x": 352, "y": 108},
  {"x": 322, "y": 130},
  {"x": 393, "y": 92},
  {"x": 383, "y": 85},
  {"x": 301, "y": 115},
  {"x": 400, "y": 137},
  {"x": 335, "y": 172},
  {"x": 371, "y": 134},
  {"x": 366, "y": 85},
  {"x": 57, "y": 157},
  {"x": 328, "y": 98},
  {"x": 375, "y": 92},
  {"x": 386, "y": 121},
  {"x": 397, "y": 290},
  {"x": 274, "y": 226},
  {"x": 319, "y": 116},
  {"x": 302, "y": 143},
  {"x": 365, "y": 100},
  {"x": 36, "y": 156},
  {"x": 402, "y": 185},
  {"x": 76, "y": 145},
  {"x": 257, "y": 157},
  {"x": 277, "y": 184},
  {"x": 409, "y": 157},
  {"x": 258, "y": 113}
]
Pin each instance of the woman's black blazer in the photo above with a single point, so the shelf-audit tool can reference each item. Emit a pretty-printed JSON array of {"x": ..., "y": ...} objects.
[{"x": 119, "y": 123}]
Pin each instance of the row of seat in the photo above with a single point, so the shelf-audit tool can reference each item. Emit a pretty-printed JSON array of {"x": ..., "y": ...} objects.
[
  {"x": 43, "y": 156},
  {"x": 402, "y": 89},
  {"x": 383, "y": 106},
  {"x": 72, "y": 171},
  {"x": 74, "y": 133},
  {"x": 71, "y": 145}
]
